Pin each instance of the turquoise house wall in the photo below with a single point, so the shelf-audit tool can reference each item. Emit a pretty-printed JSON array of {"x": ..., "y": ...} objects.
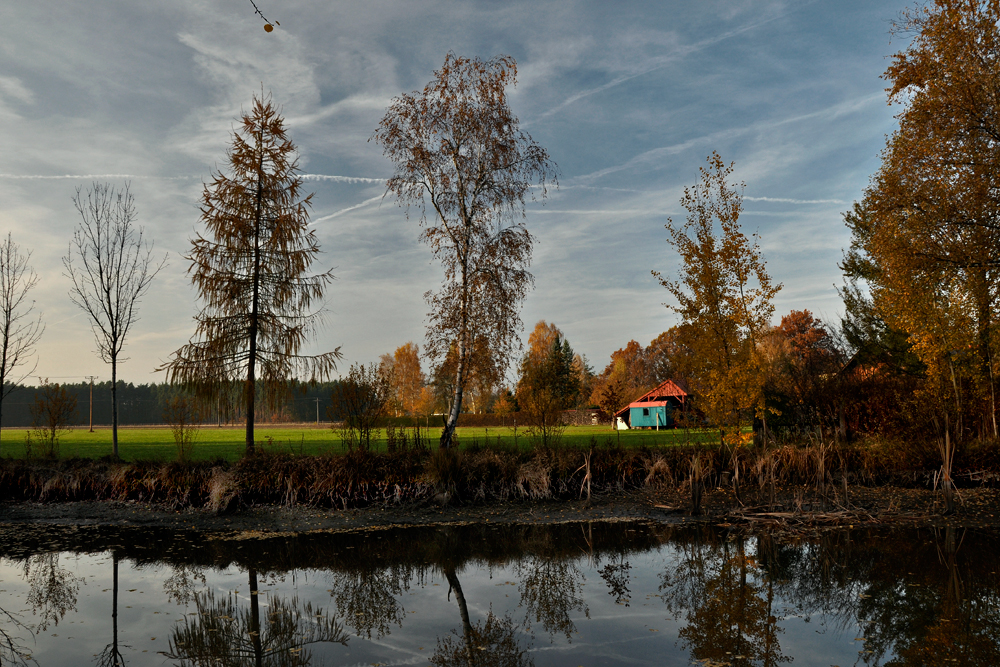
[{"x": 638, "y": 420}]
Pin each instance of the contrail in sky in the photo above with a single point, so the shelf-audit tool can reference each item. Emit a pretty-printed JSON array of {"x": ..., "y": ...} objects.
[
  {"x": 306, "y": 177},
  {"x": 30, "y": 177},
  {"x": 796, "y": 201},
  {"x": 345, "y": 210}
]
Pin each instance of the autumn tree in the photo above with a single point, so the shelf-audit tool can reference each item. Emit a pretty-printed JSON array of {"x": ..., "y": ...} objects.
[
  {"x": 110, "y": 265},
  {"x": 800, "y": 360},
  {"x": 724, "y": 293},
  {"x": 251, "y": 271},
  {"x": 668, "y": 355},
  {"x": 20, "y": 326},
  {"x": 481, "y": 377},
  {"x": 548, "y": 384},
  {"x": 408, "y": 379},
  {"x": 612, "y": 397},
  {"x": 268, "y": 25},
  {"x": 628, "y": 370},
  {"x": 934, "y": 204},
  {"x": 886, "y": 374},
  {"x": 457, "y": 146}
]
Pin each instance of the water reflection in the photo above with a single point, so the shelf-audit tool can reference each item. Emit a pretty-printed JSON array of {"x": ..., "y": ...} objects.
[
  {"x": 728, "y": 602},
  {"x": 111, "y": 656},
  {"x": 53, "y": 589},
  {"x": 226, "y": 633},
  {"x": 13, "y": 648},
  {"x": 514, "y": 595},
  {"x": 369, "y": 598}
]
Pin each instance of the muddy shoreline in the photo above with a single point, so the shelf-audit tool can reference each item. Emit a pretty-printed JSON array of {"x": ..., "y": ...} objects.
[{"x": 791, "y": 510}]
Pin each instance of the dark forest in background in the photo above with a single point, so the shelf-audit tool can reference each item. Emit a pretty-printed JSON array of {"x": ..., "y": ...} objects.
[{"x": 144, "y": 404}]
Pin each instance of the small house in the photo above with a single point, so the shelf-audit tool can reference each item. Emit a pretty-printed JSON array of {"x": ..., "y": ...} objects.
[{"x": 655, "y": 409}]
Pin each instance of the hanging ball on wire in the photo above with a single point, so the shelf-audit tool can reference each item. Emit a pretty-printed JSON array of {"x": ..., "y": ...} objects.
[{"x": 268, "y": 27}]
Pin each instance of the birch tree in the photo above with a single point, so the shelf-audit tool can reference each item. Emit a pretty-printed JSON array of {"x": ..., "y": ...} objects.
[{"x": 458, "y": 148}]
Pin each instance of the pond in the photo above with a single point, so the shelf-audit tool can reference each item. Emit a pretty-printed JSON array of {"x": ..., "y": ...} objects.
[{"x": 568, "y": 594}]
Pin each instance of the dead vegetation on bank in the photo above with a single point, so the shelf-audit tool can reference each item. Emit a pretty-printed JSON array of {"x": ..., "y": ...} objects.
[{"x": 490, "y": 473}]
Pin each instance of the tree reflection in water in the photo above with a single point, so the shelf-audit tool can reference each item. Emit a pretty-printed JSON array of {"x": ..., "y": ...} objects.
[
  {"x": 616, "y": 575},
  {"x": 224, "y": 634},
  {"x": 490, "y": 643},
  {"x": 551, "y": 589},
  {"x": 909, "y": 597},
  {"x": 935, "y": 614},
  {"x": 111, "y": 655},
  {"x": 182, "y": 583},
  {"x": 368, "y": 597},
  {"x": 12, "y": 650},
  {"x": 52, "y": 589},
  {"x": 728, "y": 603}
]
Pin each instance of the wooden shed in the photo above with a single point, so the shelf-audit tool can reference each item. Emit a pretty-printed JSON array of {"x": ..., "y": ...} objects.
[{"x": 654, "y": 409}]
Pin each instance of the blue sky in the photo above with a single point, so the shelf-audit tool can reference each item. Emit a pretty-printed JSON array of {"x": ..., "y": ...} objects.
[{"x": 628, "y": 97}]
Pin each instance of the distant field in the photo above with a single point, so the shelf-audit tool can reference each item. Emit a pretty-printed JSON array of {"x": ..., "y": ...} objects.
[{"x": 228, "y": 442}]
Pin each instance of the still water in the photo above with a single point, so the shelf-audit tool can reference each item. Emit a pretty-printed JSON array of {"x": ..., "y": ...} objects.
[{"x": 570, "y": 594}]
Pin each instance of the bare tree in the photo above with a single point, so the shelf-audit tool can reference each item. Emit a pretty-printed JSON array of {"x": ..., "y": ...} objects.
[
  {"x": 20, "y": 327},
  {"x": 361, "y": 402},
  {"x": 51, "y": 415},
  {"x": 252, "y": 273},
  {"x": 457, "y": 144},
  {"x": 111, "y": 266}
]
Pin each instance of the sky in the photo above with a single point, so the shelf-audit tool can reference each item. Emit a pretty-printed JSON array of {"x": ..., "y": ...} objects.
[{"x": 629, "y": 98}]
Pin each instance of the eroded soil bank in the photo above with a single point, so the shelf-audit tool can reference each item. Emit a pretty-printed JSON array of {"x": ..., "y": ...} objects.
[{"x": 793, "y": 509}]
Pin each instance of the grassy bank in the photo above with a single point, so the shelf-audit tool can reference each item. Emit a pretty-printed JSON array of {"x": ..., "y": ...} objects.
[
  {"x": 492, "y": 472},
  {"x": 227, "y": 442}
]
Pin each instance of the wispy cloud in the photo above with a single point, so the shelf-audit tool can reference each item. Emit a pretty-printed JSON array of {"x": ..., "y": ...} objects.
[
  {"x": 654, "y": 156},
  {"x": 654, "y": 64},
  {"x": 78, "y": 177},
  {"x": 785, "y": 200}
]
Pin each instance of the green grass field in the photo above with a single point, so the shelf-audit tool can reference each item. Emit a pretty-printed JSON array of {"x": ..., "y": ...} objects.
[{"x": 228, "y": 442}]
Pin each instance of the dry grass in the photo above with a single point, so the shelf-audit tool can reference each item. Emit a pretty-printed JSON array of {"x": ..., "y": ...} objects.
[{"x": 485, "y": 473}]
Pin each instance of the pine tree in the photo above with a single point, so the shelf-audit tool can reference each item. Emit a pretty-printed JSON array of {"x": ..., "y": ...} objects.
[{"x": 251, "y": 273}]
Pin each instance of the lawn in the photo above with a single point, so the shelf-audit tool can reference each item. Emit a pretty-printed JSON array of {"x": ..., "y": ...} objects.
[{"x": 227, "y": 442}]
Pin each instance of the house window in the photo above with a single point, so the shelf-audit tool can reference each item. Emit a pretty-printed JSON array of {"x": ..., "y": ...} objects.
[{"x": 645, "y": 412}]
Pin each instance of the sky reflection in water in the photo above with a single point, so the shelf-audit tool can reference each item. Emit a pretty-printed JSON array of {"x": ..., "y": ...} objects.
[{"x": 572, "y": 594}]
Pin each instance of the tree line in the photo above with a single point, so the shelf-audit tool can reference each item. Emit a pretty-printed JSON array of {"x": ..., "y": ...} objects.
[{"x": 146, "y": 404}]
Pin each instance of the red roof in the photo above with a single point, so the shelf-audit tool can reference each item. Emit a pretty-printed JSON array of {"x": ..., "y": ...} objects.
[
  {"x": 649, "y": 404},
  {"x": 658, "y": 395}
]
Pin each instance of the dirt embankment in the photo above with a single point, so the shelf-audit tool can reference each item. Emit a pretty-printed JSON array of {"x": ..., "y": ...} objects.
[{"x": 791, "y": 509}]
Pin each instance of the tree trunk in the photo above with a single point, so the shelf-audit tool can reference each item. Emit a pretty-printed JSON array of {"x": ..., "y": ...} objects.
[
  {"x": 114, "y": 405},
  {"x": 456, "y": 404},
  {"x": 258, "y": 649},
  {"x": 463, "y": 610},
  {"x": 251, "y": 386}
]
